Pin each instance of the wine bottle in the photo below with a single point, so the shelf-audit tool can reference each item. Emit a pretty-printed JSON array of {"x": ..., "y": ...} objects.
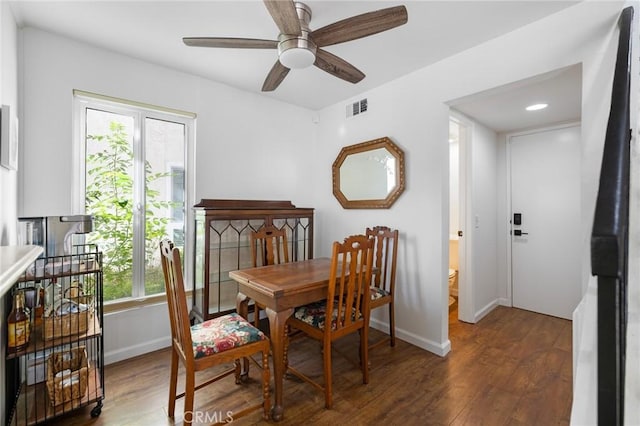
[
  {"x": 39, "y": 308},
  {"x": 18, "y": 324}
]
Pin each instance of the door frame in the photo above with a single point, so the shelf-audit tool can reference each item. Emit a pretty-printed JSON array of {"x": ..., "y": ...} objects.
[
  {"x": 508, "y": 138},
  {"x": 466, "y": 295}
]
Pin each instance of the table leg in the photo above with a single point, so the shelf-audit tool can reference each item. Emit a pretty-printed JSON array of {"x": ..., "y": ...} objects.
[
  {"x": 242, "y": 308},
  {"x": 277, "y": 325}
]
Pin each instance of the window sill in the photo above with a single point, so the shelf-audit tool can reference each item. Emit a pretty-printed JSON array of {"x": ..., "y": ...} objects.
[{"x": 131, "y": 303}]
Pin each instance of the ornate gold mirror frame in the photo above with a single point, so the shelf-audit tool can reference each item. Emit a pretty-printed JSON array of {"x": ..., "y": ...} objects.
[{"x": 369, "y": 175}]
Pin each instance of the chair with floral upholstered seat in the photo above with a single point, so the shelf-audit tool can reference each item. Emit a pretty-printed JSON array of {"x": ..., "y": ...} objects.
[
  {"x": 221, "y": 340},
  {"x": 347, "y": 304}
]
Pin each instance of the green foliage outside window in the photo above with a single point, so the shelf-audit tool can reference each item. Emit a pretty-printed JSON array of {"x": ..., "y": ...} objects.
[{"x": 109, "y": 198}]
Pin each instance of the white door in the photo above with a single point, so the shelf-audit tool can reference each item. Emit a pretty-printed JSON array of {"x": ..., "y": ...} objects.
[{"x": 545, "y": 192}]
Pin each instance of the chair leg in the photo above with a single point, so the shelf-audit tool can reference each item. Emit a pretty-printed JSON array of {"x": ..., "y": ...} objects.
[
  {"x": 256, "y": 323},
  {"x": 245, "y": 369},
  {"x": 256, "y": 315},
  {"x": 285, "y": 354},
  {"x": 173, "y": 383},
  {"x": 364, "y": 353},
  {"x": 238, "y": 370},
  {"x": 328, "y": 382},
  {"x": 392, "y": 324},
  {"x": 360, "y": 351},
  {"x": 189, "y": 391},
  {"x": 266, "y": 408}
]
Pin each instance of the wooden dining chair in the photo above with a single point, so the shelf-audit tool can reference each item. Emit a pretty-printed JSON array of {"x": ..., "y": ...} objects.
[
  {"x": 343, "y": 312},
  {"x": 217, "y": 341},
  {"x": 268, "y": 247},
  {"x": 384, "y": 275}
]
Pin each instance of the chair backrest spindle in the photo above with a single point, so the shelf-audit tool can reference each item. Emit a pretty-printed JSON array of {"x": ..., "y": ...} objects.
[
  {"x": 269, "y": 246},
  {"x": 386, "y": 254}
]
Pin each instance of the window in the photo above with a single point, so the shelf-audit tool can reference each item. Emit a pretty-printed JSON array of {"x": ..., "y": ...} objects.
[{"x": 132, "y": 177}]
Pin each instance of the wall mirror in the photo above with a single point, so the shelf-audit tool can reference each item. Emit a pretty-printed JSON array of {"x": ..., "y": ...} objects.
[{"x": 369, "y": 175}]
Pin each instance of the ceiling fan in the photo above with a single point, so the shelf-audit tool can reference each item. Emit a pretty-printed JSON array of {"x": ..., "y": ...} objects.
[{"x": 300, "y": 47}]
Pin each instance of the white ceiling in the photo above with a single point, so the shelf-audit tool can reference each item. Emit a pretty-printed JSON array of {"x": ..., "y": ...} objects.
[
  {"x": 153, "y": 31},
  {"x": 503, "y": 108}
]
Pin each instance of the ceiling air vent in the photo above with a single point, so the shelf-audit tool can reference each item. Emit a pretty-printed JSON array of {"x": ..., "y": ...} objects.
[{"x": 357, "y": 108}]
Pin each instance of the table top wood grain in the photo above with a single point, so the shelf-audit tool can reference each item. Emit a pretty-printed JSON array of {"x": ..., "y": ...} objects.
[{"x": 286, "y": 280}]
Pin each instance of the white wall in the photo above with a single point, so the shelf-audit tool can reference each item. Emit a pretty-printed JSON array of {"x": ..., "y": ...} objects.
[
  {"x": 482, "y": 215},
  {"x": 136, "y": 331},
  {"x": 503, "y": 228},
  {"x": 248, "y": 146},
  {"x": 8, "y": 178},
  {"x": 478, "y": 285},
  {"x": 238, "y": 134},
  {"x": 8, "y": 96},
  {"x": 413, "y": 113}
]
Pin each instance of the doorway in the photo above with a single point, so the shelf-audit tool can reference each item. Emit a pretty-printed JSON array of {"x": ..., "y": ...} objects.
[
  {"x": 454, "y": 216},
  {"x": 492, "y": 116},
  {"x": 459, "y": 292}
]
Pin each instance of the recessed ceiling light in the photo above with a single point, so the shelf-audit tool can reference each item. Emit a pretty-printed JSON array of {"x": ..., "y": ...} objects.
[{"x": 536, "y": 107}]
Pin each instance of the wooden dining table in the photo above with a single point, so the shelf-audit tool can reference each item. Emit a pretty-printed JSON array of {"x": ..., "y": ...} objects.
[{"x": 281, "y": 288}]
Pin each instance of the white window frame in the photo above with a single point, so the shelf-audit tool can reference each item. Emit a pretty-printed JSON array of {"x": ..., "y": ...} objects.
[{"x": 139, "y": 111}]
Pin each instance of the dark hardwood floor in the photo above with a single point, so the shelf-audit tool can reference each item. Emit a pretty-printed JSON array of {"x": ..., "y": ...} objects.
[{"x": 511, "y": 368}]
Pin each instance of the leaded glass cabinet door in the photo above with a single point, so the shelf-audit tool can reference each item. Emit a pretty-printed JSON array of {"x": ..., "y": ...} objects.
[
  {"x": 200, "y": 265},
  {"x": 228, "y": 251},
  {"x": 223, "y": 228},
  {"x": 299, "y": 230}
]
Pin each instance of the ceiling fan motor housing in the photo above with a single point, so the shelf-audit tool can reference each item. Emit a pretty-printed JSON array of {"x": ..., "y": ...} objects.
[{"x": 298, "y": 51}]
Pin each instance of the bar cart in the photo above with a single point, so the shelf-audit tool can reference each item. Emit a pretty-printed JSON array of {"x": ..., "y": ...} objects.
[{"x": 60, "y": 368}]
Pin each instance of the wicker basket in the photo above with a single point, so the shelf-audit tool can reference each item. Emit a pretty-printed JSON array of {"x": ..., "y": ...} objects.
[
  {"x": 55, "y": 326},
  {"x": 72, "y": 386}
]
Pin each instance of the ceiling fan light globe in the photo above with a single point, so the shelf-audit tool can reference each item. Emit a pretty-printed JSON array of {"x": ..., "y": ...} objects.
[{"x": 297, "y": 57}]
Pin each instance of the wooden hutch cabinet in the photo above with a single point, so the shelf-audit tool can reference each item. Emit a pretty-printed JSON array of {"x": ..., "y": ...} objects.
[{"x": 222, "y": 245}]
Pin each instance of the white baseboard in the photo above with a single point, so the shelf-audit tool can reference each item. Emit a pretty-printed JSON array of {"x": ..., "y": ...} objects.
[
  {"x": 485, "y": 310},
  {"x": 379, "y": 325},
  {"x": 414, "y": 339},
  {"x": 153, "y": 345},
  {"x": 139, "y": 349}
]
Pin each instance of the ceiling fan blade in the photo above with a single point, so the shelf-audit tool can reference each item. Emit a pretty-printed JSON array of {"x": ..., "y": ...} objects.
[
  {"x": 230, "y": 42},
  {"x": 338, "y": 67},
  {"x": 276, "y": 75},
  {"x": 360, "y": 26},
  {"x": 285, "y": 16}
]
